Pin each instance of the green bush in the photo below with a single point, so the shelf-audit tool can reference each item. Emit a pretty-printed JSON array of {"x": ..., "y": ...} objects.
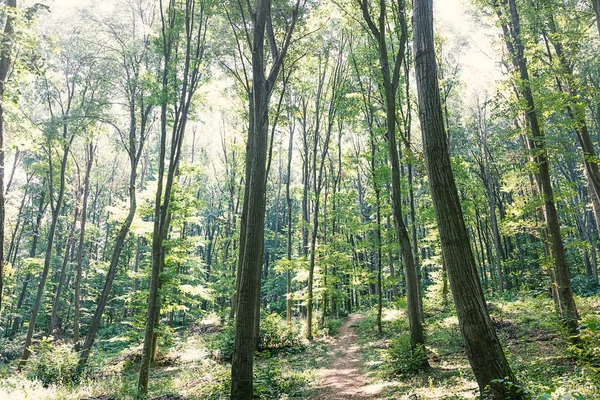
[
  {"x": 332, "y": 326},
  {"x": 400, "y": 359},
  {"x": 585, "y": 286},
  {"x": 277, "y": 334},
  {"x": 221, "y": 343},
  {"x": 53, "y": 363}
]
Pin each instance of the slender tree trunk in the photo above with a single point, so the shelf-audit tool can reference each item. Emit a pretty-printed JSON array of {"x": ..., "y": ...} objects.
[
  {"x": 568, "y": 309},
  {"x": 288, "y": 199},
  {"x": 13, "y": 247},
  {"x": 483, "y": 348},
  {"x": 63, "y": 270},
  {"x": 191, "y": 53},
  {"x": 56, "y": 208},
  {"x": 5, "y": 66},
  {"x": 390, "y": 84},
  {"x": 32, "y": 252},
  {"x": 81, "y": 249},
  {"x": 492, "y": 204}
]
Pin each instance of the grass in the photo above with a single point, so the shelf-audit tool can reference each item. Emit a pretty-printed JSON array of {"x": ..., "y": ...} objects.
[
  {"x": 537, "y": 348},
  {"x": 196, "y": 365},
  {"x": 189, "y": 370}
]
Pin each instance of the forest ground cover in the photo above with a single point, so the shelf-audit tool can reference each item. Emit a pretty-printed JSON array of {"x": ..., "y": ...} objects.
[
  {"x": 196, "y": 366},
  {"x": 545, "y": 361}
]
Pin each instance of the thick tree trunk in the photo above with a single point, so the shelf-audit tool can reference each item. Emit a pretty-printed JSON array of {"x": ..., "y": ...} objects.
[
  {"x": 252, "y": 232},
  {"x": 483, "y": 348},
  {"x": 596, "y": 4}
]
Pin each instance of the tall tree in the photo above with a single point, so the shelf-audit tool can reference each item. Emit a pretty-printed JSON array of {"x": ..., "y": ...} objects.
[
  {"x": 483, "y": 348},
  {"x": 253, "y": 211},
  {"x": 183, "y": 37},
  {"x": 135, "y": 61},
  {"x": 511, "y": 27},
  {"x": 6, "y": 61},
  {"x": 390, "y": 73},
  {"x": 320, "y": 148}
]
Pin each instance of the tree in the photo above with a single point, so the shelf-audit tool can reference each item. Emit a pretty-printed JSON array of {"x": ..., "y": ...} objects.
[
  {"x": 253, "y": 210},
  {"x": 391, "y": 81},
  {"x": 511, "y": 27},
  {"x": 6, "y": 61},
  {"x": 483, "y": 348},
  {"x": 70, "y": 100},
  {"x": 136, "y": 60},
  {"x": 183, "y": 37}
]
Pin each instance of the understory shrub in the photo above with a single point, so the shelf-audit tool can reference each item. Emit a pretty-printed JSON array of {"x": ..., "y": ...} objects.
[
  {"x": 332, "y": 326},
  {"x": 221, "y": 343},
  {"x": 273, "y": 381},
  {"x": 53, "y": 363},
  {"x": 275, "y": 335},
  {"x": 400, "y": 359}
]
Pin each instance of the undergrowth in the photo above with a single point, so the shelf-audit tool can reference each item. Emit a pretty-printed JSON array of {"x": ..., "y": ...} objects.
[{"x": 193, "y": 365}]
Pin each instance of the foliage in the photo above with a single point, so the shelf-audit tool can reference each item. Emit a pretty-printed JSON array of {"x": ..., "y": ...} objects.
[
  {"x": 53, "y": 363},
  {"x": 277, "y": 334},
  {"x": 400, "y": 359}
]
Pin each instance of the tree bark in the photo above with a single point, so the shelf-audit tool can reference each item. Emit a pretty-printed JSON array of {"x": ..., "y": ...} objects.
[{"x": 483, "y": 348}]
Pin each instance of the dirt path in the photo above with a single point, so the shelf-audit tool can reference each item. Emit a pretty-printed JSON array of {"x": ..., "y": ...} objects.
[{"x": 345, "y": 378}]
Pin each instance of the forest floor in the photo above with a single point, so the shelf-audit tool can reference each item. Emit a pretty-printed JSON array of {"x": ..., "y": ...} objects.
[
  {"x": 348, "y": 360},
  {"x": 345, "y": 377}
]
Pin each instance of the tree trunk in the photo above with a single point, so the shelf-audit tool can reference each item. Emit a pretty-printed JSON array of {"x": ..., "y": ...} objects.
[
  {"x": 81, "y": 250},
  {"x": 56, "y": 206},
  {"x": 390, "y": 85},
  {"x": 483, "y": 348},
  {"x": 252, "y": 230},
  {"x": 192, "y": 53},
  {"x": 61, "y": 277},
  {"x": 32, "y": 252},
  {"x": 596, "y": 4},
  {"x": 288, "y": 199},
  {"x": 568, "y": 309},
  {"x": 5, "y": 66}
]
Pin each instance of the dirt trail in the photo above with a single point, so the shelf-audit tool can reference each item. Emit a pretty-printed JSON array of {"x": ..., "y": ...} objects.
[{"x": 345, "y": 378}]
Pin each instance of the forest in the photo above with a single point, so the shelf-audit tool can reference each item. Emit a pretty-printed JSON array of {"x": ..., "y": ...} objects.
[{"x": 299, "y": 199}]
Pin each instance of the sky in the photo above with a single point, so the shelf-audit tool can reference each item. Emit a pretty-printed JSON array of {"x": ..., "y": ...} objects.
[
  {"x": 452, "y": 21},
  {"x": 480, "y": 66}
]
